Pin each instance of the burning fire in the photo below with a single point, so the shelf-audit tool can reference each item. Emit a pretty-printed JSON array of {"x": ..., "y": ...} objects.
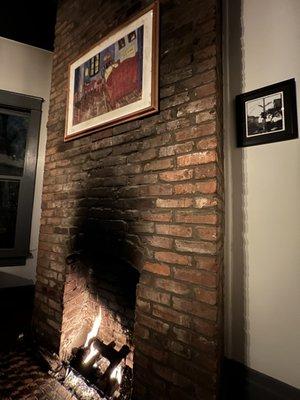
[
  {"x": 94, "y": 331},
  {"x": 92, "y": 352},
  {"x": 91, "y": 335},
  {"x": 117, "y": 374}
]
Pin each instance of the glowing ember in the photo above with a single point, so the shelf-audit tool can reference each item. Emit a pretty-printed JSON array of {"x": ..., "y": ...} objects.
[
  {"x": 117, "y": 374},
  {"x": 94, "y": 331},
  {"x": 92, "y": 352}
]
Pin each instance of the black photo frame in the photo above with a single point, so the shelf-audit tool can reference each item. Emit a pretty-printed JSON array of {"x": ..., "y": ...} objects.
[{"x": 267, "y": 115}]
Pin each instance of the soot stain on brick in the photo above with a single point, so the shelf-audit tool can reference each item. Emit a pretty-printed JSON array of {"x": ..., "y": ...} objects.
[
  {"x": 102, "y": 247},
  {"x": 105, "y": 240}
]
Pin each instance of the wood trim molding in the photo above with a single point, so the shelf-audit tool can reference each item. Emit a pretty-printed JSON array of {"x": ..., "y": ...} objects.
[
  {"x": 20, "y": 101},
  {"x": 241, "y": 382}
]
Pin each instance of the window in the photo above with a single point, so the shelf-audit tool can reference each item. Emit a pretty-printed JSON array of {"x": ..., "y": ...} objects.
[
  {"x": 94, "y": 65},
  {"x": 20, "y": 117}
]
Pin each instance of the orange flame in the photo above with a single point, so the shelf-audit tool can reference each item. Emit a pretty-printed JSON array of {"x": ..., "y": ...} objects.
[
  {"x": 117, "y": 374},
  {"x": 92, "y": 352},
  {"x": 95, "y": 328}
]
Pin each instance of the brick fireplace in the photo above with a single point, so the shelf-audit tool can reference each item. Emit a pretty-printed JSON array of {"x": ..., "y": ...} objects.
[{"x": 132, "y": 216}]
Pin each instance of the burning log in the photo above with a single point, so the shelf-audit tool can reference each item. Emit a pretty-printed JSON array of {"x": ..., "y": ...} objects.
[
  {"x": 85, "y": 359},
  {"x": 115, "y": 358}
]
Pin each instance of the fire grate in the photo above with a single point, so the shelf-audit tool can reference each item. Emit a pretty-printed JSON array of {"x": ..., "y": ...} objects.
[
  {"x": 102, "y": 368},
  {"x": 90, "y": 388}
]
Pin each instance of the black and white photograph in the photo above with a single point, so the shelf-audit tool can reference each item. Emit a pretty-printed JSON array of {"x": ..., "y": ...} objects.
[{"x": 267, "y": 115}]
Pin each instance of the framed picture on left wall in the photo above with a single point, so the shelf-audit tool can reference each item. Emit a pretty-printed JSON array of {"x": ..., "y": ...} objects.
[{"x": 116, "y": 80}]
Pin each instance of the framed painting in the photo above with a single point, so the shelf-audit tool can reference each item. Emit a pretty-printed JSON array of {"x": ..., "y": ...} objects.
[
  {"x": 116, "y": 80},
  {"x": 267, "y": 115}
]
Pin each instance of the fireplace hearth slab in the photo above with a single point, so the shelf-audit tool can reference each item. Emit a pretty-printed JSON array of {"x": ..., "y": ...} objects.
[{"x": 21, "y": 377}]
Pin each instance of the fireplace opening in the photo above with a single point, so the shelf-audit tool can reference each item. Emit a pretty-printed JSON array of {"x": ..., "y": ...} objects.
[
  {"x": 98, "y": 319},
  {"x": 97, "y": 370}
]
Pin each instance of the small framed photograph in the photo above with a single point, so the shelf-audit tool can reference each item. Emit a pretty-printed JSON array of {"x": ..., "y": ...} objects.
[
  {"x": 267, "y": 115},
  {"x": 116, "y": 80}
]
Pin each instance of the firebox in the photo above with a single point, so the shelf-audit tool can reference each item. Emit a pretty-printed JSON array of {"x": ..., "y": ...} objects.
[{"x": 97, "y": 329}]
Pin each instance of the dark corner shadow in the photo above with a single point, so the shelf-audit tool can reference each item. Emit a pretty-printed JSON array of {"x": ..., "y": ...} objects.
[
  {"x": 16, "y": 304},
  {"x": 233, "y": 383}
]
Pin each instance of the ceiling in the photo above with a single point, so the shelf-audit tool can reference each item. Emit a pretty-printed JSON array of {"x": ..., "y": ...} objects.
[{"x": 31, "y": 22}]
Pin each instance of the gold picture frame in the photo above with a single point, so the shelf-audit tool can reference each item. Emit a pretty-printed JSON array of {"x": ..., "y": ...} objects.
[{"x": 117, "y": 79}]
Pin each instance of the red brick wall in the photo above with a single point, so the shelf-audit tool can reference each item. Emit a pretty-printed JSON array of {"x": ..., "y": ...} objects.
[{"x": 157, "y": 182}]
